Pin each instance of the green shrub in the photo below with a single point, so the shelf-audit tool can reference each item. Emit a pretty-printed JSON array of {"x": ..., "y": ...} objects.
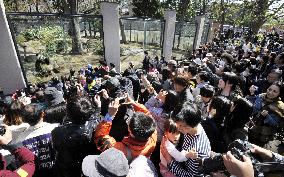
[
  {"x": 51, "y": 37},
  {"x": 31, "y": 34},
  {"x": 96, "y": 45},
  {"x": 21, "y": 39}
]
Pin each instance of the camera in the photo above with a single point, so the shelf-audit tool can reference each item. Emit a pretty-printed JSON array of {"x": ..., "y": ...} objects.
[
  {"x": 2, "y": 130},
  {"x": 238, "y": 148}
]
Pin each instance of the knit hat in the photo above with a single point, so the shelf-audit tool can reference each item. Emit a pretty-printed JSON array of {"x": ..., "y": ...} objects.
[
  {"x": 111, "y": 162},
  {"x": 53, "y": 96}
]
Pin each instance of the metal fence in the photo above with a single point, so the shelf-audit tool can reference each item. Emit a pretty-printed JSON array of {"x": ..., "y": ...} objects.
[
  {"x": 50, "y": 45},
  {"x": 138, "y": 35},
  {"x": 185, "y": 34}
]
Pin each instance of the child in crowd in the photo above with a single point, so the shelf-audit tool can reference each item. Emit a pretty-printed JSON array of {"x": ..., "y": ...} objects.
[{"x": 173, "y": 143}]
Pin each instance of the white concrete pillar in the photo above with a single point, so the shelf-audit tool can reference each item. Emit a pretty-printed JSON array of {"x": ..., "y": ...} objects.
[
  {"x": 211, "y": 31},
  {"x": 110, "y": 13},
  {"x": 170, "y": 19},
  {"x": 11, "y": 75},
  {"x": 200, "y": 27}
]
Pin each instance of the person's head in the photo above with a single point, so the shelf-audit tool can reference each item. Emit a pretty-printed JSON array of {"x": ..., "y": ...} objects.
[
  {"x": 52, "y": 96},
  {"x": 192, "y": 71},
  {"x": 33, "y": 114},
  {"x": 274, "y": 75},
  {"x": 227, "y": 58},
  {"x": 272, "y": 57},
  {"x": 228, "y": 80},
  {"x": 111, "y": 162},
  {"x": 171, "y": 100},
  {"x": 280, "y": 59},
  {"x": 207, "y": 92},
  {"x": 275, "y": 91},
  {"x": 166, "y": 74},
  {"x": 141, "y": 126},
  {"x": 180, "y": 83},
  {"x": 253, "y": 89},
  {"x": 202, "y": 77},
  {"x": 79, "y": 109},
  {"x": 242, "y": 109},
  {"x": 103, "y": 63},
  {"x": 219, "y": 107},
  {"x": 55, "y": 114},
  {"x": 188, "y": 119},
  {"x": 112, "y": 65},
  {"x": 171, "y": 131},
  {"x": 13, "y": 113},
  {"x": 172, "y": 64}
]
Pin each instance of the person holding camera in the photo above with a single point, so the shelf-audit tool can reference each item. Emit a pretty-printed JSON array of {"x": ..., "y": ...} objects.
[
  {"x": 142, "y": 136},
  {"x": 244, "y": 168},
  {"x": 24, "y": 156},
  {"x": 72, "y": 142}
]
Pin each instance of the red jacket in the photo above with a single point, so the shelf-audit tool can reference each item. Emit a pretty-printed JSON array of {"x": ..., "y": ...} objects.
[
  {"x": 136, "y": 147},
  {"x": 27, "y": 162}
]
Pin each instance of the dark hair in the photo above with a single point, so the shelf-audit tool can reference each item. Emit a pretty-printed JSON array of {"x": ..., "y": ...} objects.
[
  {"x": 203, "y": 75},
  {"x": 171, "y": 101},
  {"x": 242, "y": 111},
  {"x": 112, "y": 65},
  {"x": 232, "y": 78},
  {"x": 222, "y": 106},
  {"x": 189, "y": 114},
  {"x": 192, "y": 69},
  {"x": 13, "y": 113},
  {"x": 228, "y": 57},
  {"x": 79, "y": 109},
  {"x": 181, "y": 80},
  {"x": 239, "y": 67},
  {"x": 166, "y": 74},
  {"x": 281, "y": 56},
  {"x": 273, "y": 56},
  {"x": 55, "y": 114},
  {"x": 142, "y": 126},
  {"x": 281, "y": 89},
  {"x": 207, "y": 91},
  {"x": 170, "y": 126},
  {"x": 32, "y": 113},
  {"x": 265, "y": 58}
]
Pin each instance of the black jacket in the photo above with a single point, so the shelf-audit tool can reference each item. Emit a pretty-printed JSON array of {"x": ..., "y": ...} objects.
[{"x": 72, "y": 144}]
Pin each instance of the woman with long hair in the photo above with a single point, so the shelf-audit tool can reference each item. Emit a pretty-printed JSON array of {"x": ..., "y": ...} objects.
[
  {"x": 229, "y": 86},
  {"x": 214, "y": 124},
  {"x": 13, "y": 113},
  {"x": 240, "y": 112},
  {"x": 268, "y": 111}
]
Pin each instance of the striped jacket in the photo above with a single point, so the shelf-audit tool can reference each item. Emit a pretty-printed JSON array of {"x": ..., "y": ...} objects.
[{"x": 202, "y": 145}]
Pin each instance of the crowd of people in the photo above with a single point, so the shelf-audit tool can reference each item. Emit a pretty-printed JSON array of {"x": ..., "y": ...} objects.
[{"x": 163, "y": 119}]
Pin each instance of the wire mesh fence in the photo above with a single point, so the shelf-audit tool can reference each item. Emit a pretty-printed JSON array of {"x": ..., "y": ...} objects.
[
  {"x": 50, "y": 45},
  {"x": 185, "y": 33},
  {"x": 138, "y": 35}
]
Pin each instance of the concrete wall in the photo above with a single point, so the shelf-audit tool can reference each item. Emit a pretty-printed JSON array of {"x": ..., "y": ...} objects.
[
  {"x": 170, "y": 18},
  {"x": 11, "y": 76},
  {"x": 109, "y": 12},
  {"x": 200, "y": 22}
]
